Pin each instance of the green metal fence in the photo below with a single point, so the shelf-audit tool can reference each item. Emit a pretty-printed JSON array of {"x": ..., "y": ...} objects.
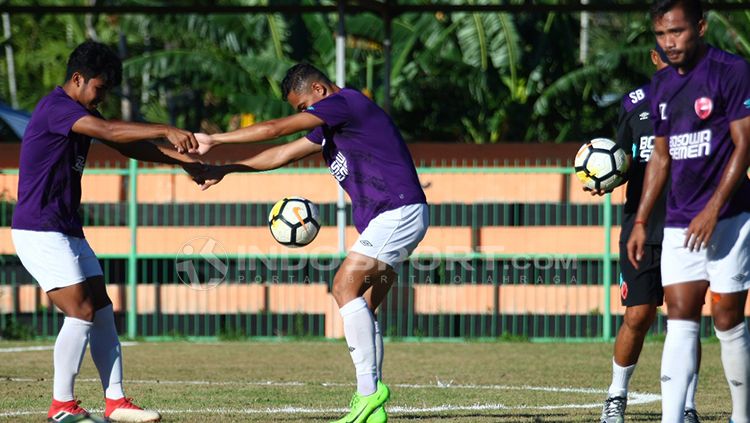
[{"x": 439, "y": 294}]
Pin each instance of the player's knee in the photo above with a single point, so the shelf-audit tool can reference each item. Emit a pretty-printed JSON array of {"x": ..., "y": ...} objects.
[
  {"x": 343, "y": 290},
  {"x": 639, "y": 319},
  {"x": 83, "y": 310},
  {"x": 726, "y": 318}
]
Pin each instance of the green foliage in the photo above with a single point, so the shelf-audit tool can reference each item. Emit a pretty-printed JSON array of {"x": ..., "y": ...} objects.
[
  {"x": 13, "y": 330},
  {"x": 469, "y": 77}
]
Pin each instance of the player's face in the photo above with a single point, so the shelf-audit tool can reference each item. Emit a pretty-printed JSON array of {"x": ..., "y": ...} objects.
[
  {"x": 679, "y": 37},
  {"x": 305, "y": 99},
  {"x": 90, "y": 92}
]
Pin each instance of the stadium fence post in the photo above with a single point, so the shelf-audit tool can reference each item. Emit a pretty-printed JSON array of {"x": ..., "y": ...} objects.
[
  {"x": 607, "y": 268},
  {"x": 132, "y": 312}
]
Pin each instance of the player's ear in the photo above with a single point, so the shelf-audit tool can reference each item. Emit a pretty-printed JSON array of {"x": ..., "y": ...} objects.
[{"x": 702, "y": 27}]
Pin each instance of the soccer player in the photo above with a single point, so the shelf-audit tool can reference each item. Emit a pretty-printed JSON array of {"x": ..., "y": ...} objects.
[
  {"x": 640, "y": 289},
  {"x": 46, "y": 228},
  {"x": 700, "y": 106},
  {"x": 369, "y": 159}
]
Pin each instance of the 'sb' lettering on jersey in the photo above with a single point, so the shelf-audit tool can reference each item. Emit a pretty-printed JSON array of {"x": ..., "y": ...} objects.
[
  {"x": 637, "y": 96},
  {"x": 645, "y": 147},
  {"x": 691, "y": 145}
]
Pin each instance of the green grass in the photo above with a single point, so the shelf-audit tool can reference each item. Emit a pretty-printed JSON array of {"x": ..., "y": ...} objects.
[{"x": 231, "y": 376}]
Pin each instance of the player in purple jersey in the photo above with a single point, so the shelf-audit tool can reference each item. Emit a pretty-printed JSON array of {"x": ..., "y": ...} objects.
[
  {"x": 640, "y": 289},
  {"x": 369, "y": 159},
  {"x": 46, "y": 228},
  {"x": 701, "y": 112}
]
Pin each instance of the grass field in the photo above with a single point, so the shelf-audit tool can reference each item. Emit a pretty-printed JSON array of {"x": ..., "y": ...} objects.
[{"x": 313, "y": 381}]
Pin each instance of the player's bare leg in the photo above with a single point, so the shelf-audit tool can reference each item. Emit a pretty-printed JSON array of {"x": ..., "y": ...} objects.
[
  {"x": 728, "y": 311},
  {"x": 680, "y": 356},
  {"x": 356, "y": 272}
]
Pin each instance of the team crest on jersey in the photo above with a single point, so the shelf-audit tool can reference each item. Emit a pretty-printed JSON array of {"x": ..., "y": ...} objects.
[{"x": 703, "y": 107}]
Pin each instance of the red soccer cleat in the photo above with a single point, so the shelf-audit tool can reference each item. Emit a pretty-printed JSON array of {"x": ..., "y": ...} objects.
[
  {"x": 123, "y": 410},
  {"x": 59, "y": 410}
]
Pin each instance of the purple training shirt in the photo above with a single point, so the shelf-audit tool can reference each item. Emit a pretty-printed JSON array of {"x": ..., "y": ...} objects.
[
  {"x": 366, "y": 154},
  {"x": 693, "y": 111},
  {"x": 51, "y": 166}
]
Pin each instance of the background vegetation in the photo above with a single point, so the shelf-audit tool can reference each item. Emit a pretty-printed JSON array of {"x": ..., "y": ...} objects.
[{"x": 476, "y": 78}]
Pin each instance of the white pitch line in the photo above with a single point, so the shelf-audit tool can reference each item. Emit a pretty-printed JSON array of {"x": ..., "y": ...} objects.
[
  {"x": 634, "y": 398},
  {"x": 391, "y": 409},
  {"x": 47, "y": 348}
]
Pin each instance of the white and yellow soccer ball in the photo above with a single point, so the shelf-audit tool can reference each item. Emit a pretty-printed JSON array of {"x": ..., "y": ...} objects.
[
  {"x": 294, "y": 221},
  {"x": 601, "y": 164}
]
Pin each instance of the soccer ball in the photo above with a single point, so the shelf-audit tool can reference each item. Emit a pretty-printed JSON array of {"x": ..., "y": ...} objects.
[
  {"x": 294, "y": 221},
  {"x": 601, "y": 164}
]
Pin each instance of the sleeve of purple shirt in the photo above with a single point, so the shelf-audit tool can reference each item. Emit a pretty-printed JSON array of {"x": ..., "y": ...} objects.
[
  {"x": 63, "y": 115},
  {"x": 736, "y": 91},
  {"x": 661, "y": 127},
  {"x": 316, "y": 135}
]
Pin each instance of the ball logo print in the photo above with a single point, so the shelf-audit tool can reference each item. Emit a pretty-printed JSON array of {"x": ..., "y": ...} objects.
[
  {"x": 294, "y": 221},
  {"x": 202, "y": 263},
  {"x": 703, "y": 107}
]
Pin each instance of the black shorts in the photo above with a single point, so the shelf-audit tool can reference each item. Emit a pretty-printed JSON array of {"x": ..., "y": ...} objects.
[{"x": 643, "y": 285}]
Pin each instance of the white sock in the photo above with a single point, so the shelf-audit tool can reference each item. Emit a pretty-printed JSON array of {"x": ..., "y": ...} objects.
[
  {"x": 359, "y": 330},
  {"x": 678, "y": 365},
  {"x": 379, "y": 350},
  {"x": 107, "y": 353},
  {"x": 620, "y": 379},
  {"x": 735, "y": 357},
  {"x": 690, "y": 396},
  {"x": 70, "y": 347}
]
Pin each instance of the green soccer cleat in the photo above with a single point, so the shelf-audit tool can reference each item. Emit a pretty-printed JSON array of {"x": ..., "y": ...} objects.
[
  {"x": 378, "y": 416},
  {"x": 363, "y": 407}
]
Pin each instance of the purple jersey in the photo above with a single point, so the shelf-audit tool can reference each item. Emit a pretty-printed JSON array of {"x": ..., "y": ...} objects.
[
  {"x": 51, "y": 166},
  {"x": 693, "y": 111},
  {"x": 366, "y": 154}
]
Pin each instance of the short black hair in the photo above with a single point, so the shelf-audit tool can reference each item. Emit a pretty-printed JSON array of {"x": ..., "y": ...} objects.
[
  {"x": 693, "y": 9},
  {"x": 92, "y": 60},
  {"x": 299, "y": 77}
]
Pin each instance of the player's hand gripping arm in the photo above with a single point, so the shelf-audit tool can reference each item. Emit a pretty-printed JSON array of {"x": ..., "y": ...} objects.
[
  {"x": 702, "y": 226},
  {"x": 272, "y": 158},
  {"x": 126, "y": 132},
  {"x": 263, "y": 131},
  {"x": 657, "y": 173}
]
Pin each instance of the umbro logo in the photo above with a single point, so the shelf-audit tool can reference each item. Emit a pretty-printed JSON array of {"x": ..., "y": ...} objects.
[
  {"x": 665, "y": 378},
  {"x": 735, "y": 383},
  {"x": 643, "y": 116},
  {"x": 739, "y": 278},
  {"x": 351, "y": 349},
  {"x": 365, "y": 242}
]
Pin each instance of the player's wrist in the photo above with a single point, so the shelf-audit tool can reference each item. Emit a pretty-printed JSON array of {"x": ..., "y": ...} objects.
[{"x": 641, "y": 222}]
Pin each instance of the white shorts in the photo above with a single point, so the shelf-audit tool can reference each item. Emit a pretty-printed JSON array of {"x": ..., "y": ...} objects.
[
  {"x": 392, "y": 235},
  {"x": 725, "y": 264},
  {"x": 54, "y": 259}
]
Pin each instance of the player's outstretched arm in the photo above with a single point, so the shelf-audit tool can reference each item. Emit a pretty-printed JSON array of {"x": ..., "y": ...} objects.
[
  {"x": 125, "y": 132},
  {"x": 263, "y": 131},
  {"x": 702, "y": 226},
  {"x": 273, "y": 158},
  {"x": 657, "y": 173},
  {"x": 146, "y": 151}
]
